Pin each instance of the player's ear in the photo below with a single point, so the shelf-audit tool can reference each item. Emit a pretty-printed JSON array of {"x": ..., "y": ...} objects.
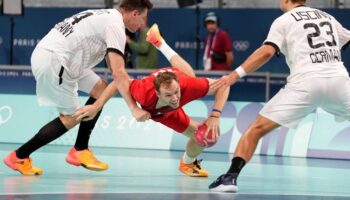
[{"x": 135, "y": 13}]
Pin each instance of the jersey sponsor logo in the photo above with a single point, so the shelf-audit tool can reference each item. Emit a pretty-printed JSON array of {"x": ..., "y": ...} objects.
[
  {"x": 5, "y": 114},
  {"x": 309, "y": 15}
]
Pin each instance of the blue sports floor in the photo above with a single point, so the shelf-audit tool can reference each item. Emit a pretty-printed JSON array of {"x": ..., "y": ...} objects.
[{"x": 152, "y": 174}]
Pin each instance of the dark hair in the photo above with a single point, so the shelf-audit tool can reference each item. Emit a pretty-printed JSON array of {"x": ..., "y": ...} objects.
[
  {"x": 164, "y": 78},
  {"x": 139, "y": 5}
]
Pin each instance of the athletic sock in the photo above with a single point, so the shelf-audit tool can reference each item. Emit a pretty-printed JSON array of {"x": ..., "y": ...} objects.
[
  {"x": 46, "y": 134},
  {"x": 237, "y": 164},
  {"x": 166, "y": 50},
  {"x": 187, "y": 160},
  {"x": 85, "y": 129}
]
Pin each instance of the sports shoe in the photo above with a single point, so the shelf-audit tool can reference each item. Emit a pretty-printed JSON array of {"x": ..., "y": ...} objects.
[
  {"x": 153, "y": 36},
  {"x": 225, "y": 183},
  {"x": 86, "y": 159},
  {"x": 193, "y": 169},
  {"x": 24, "y": 166}
]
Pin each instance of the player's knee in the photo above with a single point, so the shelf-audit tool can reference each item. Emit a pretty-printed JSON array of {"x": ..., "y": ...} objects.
[
  {"x": 98, "y": 89},
  {"x": 68, "y": 121}
]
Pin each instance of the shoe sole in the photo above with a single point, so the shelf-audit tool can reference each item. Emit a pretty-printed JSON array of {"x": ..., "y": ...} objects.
[
  {"x": 77, "y": 164},
  {"x": 225, "y": 188},
  {"x": 8, "y": 163},
  {"x": 194, "y": 175}
]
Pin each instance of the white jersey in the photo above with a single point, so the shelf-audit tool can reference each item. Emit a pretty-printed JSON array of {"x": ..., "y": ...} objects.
[
  {"x": 81, "y": 41},
  {"x": 311, "y": 41}
]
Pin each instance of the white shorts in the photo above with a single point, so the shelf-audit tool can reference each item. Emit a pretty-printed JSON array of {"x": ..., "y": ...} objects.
[
  {"x": 50, "y": 92},
  {"x": 296, "y": 100}
]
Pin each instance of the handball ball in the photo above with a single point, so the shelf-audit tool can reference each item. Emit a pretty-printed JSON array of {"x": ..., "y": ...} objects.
[{"x": 199, "y": 136}]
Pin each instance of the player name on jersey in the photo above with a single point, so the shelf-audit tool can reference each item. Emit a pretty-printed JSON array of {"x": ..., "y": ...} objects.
[
  {"x": 309, "y": 15},
  {"x": 326, "y": 56},
  {"x": 65, "y": 28}
]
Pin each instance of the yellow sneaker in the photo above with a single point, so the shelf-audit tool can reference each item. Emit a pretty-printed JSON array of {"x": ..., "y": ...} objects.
[
  {"x": 86, "y": 159},
  {"x": 24, "y": 166},
  {"x": 193, "y": 169},
  {"x": 153, "y": 36}
]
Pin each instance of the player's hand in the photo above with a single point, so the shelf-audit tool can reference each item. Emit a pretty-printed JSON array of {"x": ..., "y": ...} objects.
[
  {"x": 224, "y": 81},
  {"x": 140, "y": 115},
  {"x": 213, "y": 124},
  {"x": 86, "y": 113}
]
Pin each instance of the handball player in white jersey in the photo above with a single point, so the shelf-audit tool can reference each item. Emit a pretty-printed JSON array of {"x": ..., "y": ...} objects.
[
  {"x": 311, "y": 41},
  {"x": 62, "y": 64}
]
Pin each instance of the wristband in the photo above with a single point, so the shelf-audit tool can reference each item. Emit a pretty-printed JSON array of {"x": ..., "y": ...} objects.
[
  {"x": 216, "y": 110},
  {"x": 240, "y": 71}
]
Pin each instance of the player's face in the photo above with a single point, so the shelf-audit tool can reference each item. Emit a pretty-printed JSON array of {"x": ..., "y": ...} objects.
[
  {"x": 170, "y": 94},
  {"x": 211, "y": 26},
  {"x": 137, "y": 20}
]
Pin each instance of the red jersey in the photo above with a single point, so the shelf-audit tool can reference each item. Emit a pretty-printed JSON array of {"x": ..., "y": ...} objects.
[{"x": 191, "y": 88}]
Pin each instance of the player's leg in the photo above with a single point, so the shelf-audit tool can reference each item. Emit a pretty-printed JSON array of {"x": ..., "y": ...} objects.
[
  {"x": 244, "y": 151},
  {"x": 80, "y": 154},
  {"x": 180, "y": 122},
  {"x": 189, "y": 163},
  {"x": 53, "y": 89},
  {"x": 154, "y": 37},
  {"x": 286, "y": 108}
]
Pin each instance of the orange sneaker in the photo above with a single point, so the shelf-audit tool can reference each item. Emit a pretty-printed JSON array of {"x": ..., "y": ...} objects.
[
  {"x": 193, "y": 169},
  {"x": 153, "y": 36},
  {"x": 24, "y": 166},
  {"x": 86, "y": 159}
]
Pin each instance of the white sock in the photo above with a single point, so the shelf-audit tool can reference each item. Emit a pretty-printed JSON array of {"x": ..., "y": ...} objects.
[
  {"x": 167, "y": 51},
  {"x": 187, "y": 159}
]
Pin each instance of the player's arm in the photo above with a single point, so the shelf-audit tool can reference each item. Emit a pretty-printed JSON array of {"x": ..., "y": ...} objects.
[
  {"x": 88, "y": 112},
  {"x": 213, "y": 120},
  {"x": 116, "y": 63},
  {"x": 251, "y": 64}
]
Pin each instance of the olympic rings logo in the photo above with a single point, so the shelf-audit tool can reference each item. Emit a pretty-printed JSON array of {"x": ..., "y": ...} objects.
[
  {"x": 241, "y": 45},
  {"x": 5, "y": 114}
]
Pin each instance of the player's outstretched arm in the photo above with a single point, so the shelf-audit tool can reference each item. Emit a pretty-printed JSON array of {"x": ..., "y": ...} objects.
[
  {"x": 116, "y": 63},
  {"x": 154, "y": 37},
  {"x": 251, "y": 64},
  {"x": 213, "y": 120},
  {"x": 88, "y": 112}
]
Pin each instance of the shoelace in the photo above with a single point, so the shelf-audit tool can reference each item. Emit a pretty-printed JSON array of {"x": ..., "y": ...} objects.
[{"x": 197, "y": 163}]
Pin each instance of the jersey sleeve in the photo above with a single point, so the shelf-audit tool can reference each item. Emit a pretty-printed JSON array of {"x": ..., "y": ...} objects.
[
  {"x": 275, "y": 38},
  {"x": 115, "y": 39},
  {"x": 343, "y": 34}
]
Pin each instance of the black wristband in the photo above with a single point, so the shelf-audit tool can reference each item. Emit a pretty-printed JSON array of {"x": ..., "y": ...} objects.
[{"x": 216, "y": 110}]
